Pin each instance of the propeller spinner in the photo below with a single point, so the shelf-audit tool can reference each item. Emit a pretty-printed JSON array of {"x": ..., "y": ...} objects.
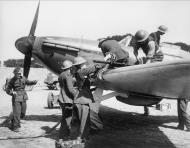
[{"x": 25, "y": 44}]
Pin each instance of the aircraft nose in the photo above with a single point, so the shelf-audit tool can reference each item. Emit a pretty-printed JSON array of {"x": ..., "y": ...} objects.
[
  {"x": 24, "y": 45},
  {"x": 19, "y": 44}
]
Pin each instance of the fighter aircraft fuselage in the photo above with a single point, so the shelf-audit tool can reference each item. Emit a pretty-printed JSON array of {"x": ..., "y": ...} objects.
[
  {"x": 144, "y": 84},
  {"x": 43, "y": 51}
]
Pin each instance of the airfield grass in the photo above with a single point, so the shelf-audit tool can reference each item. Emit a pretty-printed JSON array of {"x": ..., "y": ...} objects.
[{"x": 124, "y": 125}]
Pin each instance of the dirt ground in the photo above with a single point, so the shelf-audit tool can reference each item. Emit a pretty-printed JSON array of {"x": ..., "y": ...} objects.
[{"x": 125, "y": 126}]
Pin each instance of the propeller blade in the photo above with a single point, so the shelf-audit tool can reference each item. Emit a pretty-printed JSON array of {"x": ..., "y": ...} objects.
[
  {"x": 34, "y": 23},
  {"x": 27, "y": 63}
]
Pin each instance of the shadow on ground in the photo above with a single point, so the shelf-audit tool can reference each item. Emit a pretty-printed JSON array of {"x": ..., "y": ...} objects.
[
  {"x": 45, "y": 118},
  {"x": 55, "y": 107},
  {"x": 121, "y": 129},
  {"x": 126, "y": 130},
  {"x": 129, "y": 130}
]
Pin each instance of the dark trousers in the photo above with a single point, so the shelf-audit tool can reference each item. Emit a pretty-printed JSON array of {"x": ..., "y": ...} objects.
[
  {"x": 88, "y": 118},
  {"x": 19, "y": 111},
  {"x": 77, "y": 121},
  {"x": 146, "y": 110},
  {"x": 65, "y": 128},
  {"x": 183, "y": 117}
]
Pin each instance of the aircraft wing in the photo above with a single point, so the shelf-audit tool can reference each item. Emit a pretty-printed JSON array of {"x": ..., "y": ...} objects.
[
  {"x": 173, "y": 52},
  {"x": 147, "y": 84}
]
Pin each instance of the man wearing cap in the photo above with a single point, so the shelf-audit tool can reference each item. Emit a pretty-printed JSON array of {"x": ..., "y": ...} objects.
[
  {"x": 85, "y": 100},
  {"x": 66, "y": 97},
  {"x": 16, "y": 88}
]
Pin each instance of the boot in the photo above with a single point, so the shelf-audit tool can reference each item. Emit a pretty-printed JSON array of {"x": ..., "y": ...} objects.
[{"x": 180, "y": 127}]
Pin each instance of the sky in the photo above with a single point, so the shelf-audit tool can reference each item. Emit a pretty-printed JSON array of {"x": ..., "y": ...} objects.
[{"x": 91, "y": 20}]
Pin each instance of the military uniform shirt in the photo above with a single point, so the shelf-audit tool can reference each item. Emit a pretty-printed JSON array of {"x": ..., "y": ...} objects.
[
  {"x": 148, "y": 47},
  {"x": 156, "y": 37},
  {"x": 112, "y": 46},
  {"x": 83, "y": 82},
  {"x": 67, "y": 91},
  {"x": 18, "y": 85}
]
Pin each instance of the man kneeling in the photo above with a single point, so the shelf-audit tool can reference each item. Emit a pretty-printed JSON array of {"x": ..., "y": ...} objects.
[{"x": 86, "y": 109}]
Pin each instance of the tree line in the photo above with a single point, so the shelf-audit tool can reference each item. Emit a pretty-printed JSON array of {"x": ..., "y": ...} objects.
[
  {"x": 182, "y": 45},
  {"x": 20, "y": 63}
]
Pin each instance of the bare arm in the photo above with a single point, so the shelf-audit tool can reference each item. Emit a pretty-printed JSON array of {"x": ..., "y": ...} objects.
[
  {"x": 28, "y": 82},
  {"x": 151, "y": 51},
  {"x": 135, "y": 51}
]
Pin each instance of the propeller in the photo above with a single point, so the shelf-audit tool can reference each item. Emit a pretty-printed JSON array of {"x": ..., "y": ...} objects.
[
  {"x": 34, "y": 23},
  {"x": 25, "y": 44},
  {"x": 27, "y": 63}
]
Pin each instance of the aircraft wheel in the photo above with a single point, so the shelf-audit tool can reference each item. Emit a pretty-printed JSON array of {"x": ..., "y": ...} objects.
[
  {"x": 50, "y": 100},
  {"x": 50, "y": 87}
]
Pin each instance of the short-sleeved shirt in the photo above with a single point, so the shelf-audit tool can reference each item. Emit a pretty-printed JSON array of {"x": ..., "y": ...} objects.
[
  {"x": 148, "y": 47},
  {"x": 156, "y": 37}
]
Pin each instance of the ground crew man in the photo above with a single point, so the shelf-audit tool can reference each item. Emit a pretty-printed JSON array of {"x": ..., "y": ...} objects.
[
  {"x": 66, "y": 96},
  {"x": 146, "y": 43},
  {"x": 16, "y": 88},
  {"x": 113, "y": 52},
  {"x": 156, "y": 37},
  {"x": 85, "y": 99},
  {"x": 183, "y": 117}
]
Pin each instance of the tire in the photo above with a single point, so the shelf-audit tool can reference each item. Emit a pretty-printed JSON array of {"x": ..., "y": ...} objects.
[
  {"x": 50, "y": 87},
  {"x": 50, "y": 100}
]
